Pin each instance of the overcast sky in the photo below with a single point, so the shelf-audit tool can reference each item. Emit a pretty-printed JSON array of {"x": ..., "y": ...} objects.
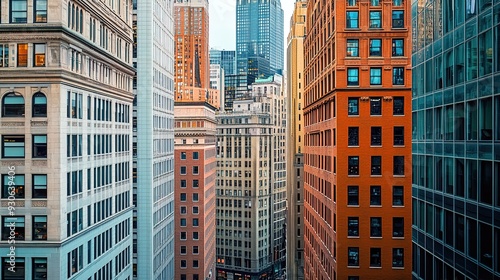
[{"x": 223, "y": 22}]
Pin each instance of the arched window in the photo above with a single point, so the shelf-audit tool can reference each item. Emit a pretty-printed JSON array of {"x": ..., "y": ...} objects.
[
  {"x": 39, "y": 105},
  {"x": 13, "y": 105}
]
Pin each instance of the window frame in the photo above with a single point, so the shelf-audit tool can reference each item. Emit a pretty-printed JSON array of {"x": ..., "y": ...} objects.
[
  {"x": 353, "y": 136},
  {"x": 375, "y": 195},
  {"x": 39, "y": 268},
  {"x": 37, "y": 11},
  {"x": 196, "y": 155},
  {"x": 398, "y": 50},
  {"x": 16, "y": 111},
  {"x": 37, "y": 224},
  {"x": 376, "y": 140},
  {"x": 353, "y": 226},
  {"x": 39, "y": 149},
  {"x": 352, "y": 48},
  {"x": 375, "y": 257},
  {"x": 4, "y": 55},
  {"x": 396, "y": 256},
  {"x": 353, "y": 107},
  {"x": 354, "y": 169},
  {"x": 352, "y": 22},
  {"x": 376, "y": 166},
  {"x": 398, "y": 76},
  {"x": 374, "y": 20},
  {"x": 22, "y": 54},
  {"x": 36, "y": 186},
  {"x": 375, "y": 106},
  {"x": 376, "y": 228},
  {"x": 398, "y": 227},
  {"x": 398, "y": 106},
  {"x": 352, "y": 76},
  {"x": 375, "y": 47},
  {"x": 39, "y": 110},
  {"x": 398, "y": 21},
  {"x": 398, "y": 197},
  {"x": 39, "y": 56},
  {"x": 183, "y": 197},
  {"x": 12, "y": 11},
  {"x": 399, "y": 165},
  {"x": 353, "y": 195},
  {"x": 399, "y": 138},
  {"x": 353, "y": 255},
  {"x": 19, "y": 188},
  {"x": 20, "y": 231},
  {"x": 183, "y": 170},
  {"x": 17, "y": 146},
  {"x": 183, "y": 155},
  {"x": 376, "y": 76}
]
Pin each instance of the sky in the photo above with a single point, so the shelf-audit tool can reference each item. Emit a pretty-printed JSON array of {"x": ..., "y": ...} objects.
[{"x": 223, "y": 22}]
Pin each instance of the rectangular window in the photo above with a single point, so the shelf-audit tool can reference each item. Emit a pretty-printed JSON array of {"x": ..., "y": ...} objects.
[
  {"x": 39, "y": 186},
  {"x": 375, "y": 2},
  {"x": 397, "y": 196},
  {"x": 183, "y": 155},
  {"x": 375, "y": 47},
  {"x": 375, "y": 106},
  {"x": 352, "y": 226},
  {"x": 22, "y": 55},
  {"x": 195, "y": 210},
  {"x": 376, "y": 136},
  {"x": 376, "y": 165},
  {"x": 398, "y": 106},
  {"x": 376, "y": 227},
  {"x": 195, "y": 170},
  {"x": 40, "y": 13},
  {"x": 376, "y": 195},
  {"x": 353, "y": 106},
  {"x": 39, "y": 227},
  {"x": 16, "y": 274},
  {"x": 352, "y": 195},
  {"x": 39, "y": 146},
  {"x": 183, "y": 170},
  {"x": 352, "y": 19},
  {"x": 4, "y": 55},
  {"x": 195, "y": 197},
  {"x": 375, "y": 19},
  {"x": 13, "y": 185},
  {"x": 183, "y": 197},
  {"x": 39, "y": 55},
  {"x": 353, "y": 256},
  {"x": 195, "y": 235},
  {"x": 398, "y": 47},
  {"x": 183, "y": 250},
  {"x": 353, "y": 136},
  {"x": 397, "y": 2},
  {"x": 398, "y": 76},
  {"x": 17, "y": 222},
  {"x": 353, "y": 165},
  {"x": 196, "y": 155},
  {"x": 196, "y": 250},
  {"x": 398, "y": 226},
  {"x": 13, "y": 146},
  {"x": 399, "y": 136},
  {"x": 352, "y": 47},
  {"x": 375, "y": 257},
  {"x": 196, "y": 222},
  {"x": 183, "y": 184},
  {"x": 398, "y": 257},
  {"x": 39, "y": 268},
  {"x": 399, "y": 165},
  {"x": 196, "y": 183},
  {"x": 352, "y": 3},
  {"x": 398, "y": 19},
  {"x": 352, "y": 76},
  {"x": 183, "y": 222},
  {"x": 18, "y": 11}
]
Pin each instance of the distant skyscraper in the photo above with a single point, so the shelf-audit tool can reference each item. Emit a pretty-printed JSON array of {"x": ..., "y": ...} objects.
[
  {"x": 154, "y": 148},
  {"x": 217, "y": 82},
  {"x": 456, "y": 136},
  {"x": 66, "y": 131},
  {"x": 251, "y": 185},
  {"x": 259, "y": 33},
  {"x": 226, "y": 59},
  {"x": 295, "y": 144},
  {"x": 235, "y": 87}
]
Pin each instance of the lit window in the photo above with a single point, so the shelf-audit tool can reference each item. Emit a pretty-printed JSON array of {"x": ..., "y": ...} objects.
[
  {"x": 398, "y": 47},
  {"x": 22, "y": 55},
  {"x": 39, "y": 55},
  {"x": 39, "y": 186},
  {"x": 352, "y": 76},
  {"x": 398, "y": 76},
  {"x": 376, "y": 19},
  {"x": 39, "y": 268},
  {"x": 353, "y": 165},
  {"x": 375, "y": 47},
  {"x": 13, "y": 105},
  {"x": 39, "y": 146},
  {"x": 13, "y": 146},
  {"x": 40, "y": 11},
  {"x": 18, "y": 11},
  {"x": 352, "y": 19},
  {"x": 13, "y": 186},
  {"x": 376, "y": 76},
  {"x": 352, "y": 47},
  {"x": 39, "y": 105},
  {"x": 398, "y": 19}
]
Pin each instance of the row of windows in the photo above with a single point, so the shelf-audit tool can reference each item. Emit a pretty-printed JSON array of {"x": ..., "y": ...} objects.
[
  {"x": 375, "y": 3},
  {"x": 195, "y": 183},
  {"x": 375, "y": 257},
  {"x": 184, "y": 264},
  {"x": 195, "y": 235},
  {"x": 18, "y": 11},
  {"x": 196, "y": 155},
  {"x": 375, "y": 136},
  {"x": 352, "y": 19},
  {"x": 375, "y": 196},
  {"x": 398, "y": 165},
  {"x": 183, "y": 197},
  {"x": 195, "y": 210},
  {"x": 398, "y": 76},
  {"x": 37, "y": 56},
  {"x": 38, "y": 268},
  {"x": 195, "y": 222},
  {"x": 196, "y": 170},
  {"x": 376, "y": 106},
  {"x": 13, "y": 146},
  {"x": 102, "y": 108},
  {"x": 375, "y": 227},
  {"x": 13, "y": 228},
  {"x": 375, "y": 47},
  {"x": 15, "y": 186},
  {"x": 13, "y": 105}
]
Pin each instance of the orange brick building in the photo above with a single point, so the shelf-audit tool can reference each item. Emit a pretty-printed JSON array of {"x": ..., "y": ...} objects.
[{"x": 357, "y": 121}]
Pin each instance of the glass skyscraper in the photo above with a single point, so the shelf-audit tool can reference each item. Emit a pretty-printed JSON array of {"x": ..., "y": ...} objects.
[
  {"x": 226, "y": 59},
  {"x": 456, "y": 139},
  {"x": 259, "y": 32}
]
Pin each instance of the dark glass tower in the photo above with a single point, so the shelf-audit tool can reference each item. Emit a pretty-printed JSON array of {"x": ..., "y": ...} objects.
[
  {"x": 226, "y": 60},
  {"x": 456, "y": 139},
  {"x": 259, "y": 33}
]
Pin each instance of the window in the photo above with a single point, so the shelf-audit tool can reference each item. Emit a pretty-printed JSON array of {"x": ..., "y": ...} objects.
[
  {"x": 196, "y": 155},
  {"x": 376, "y": 227},
  {"x": 183, "y": 264},
  {"x": 18, "y": 11},
  {"x": 352, "y": 277},
  {"x": 195, "y": 197},
  {"x": 39, "y": 267},
  {"x": 375, "y": 195},
  {"x": 398, "y": 227},
  {"x": 375, "y": 2},
  {"x": 397, "y": 2},
  {"x": 183, "y": 155},
  {"x": 352, "y": 19},
  {"x": 352, "y": 47},
  {"x": 195, "y": 210},
  {"x": 196, "y": 183},
  {"x": 398, "y": 76},
  {"x": 398, "y": 19},
  {"x": 398, "y": 47},
  {"x": 353, "y": 168},
  {"x": 353, "y": 136},
  {"x": 352, "y": 76},
  {"x": 351, "y": 3},
  {"x": 39, "y": 105},
  {"x": 352, "y": 195},
  {"x": 183, "y": 170},
  {"x": 353, "y": 106},
  {"x": 375, "y": 19},
  {"x": 13, "y": 105},
  {"x": 398, "y": 106},
  {"x": 13, "y": 185},
  {"x": 398, "y": 257},
  {"x": 376, "y": 165},
  {"x": 375, "y": 47},
  {"x": 39, "y": 146},
  {"x": 4, "y": 55},
  {"x": 397, "y": 196},
  {"x": 39, "y": 227},
  {"x": 352, "y": 226},
  {"x": 22, "y": 55},
  {"x": 13, "y": 146},
  {"x": 183, "y": 197},
  {"x": 195, "y": 263},
  {"x": 196, "y": 250},
  {"x": 399, "y": 136},
  {"x": 39, "y": 186},
  {"x": 375, "y": 258},
  {"x": 196, "y": 170},
  {"x": 183, "y": 209},
  {"x": 399, "y": 165},
  {"x": 183, "y": 235},
  {"x": 196, "y": 222},
  {"x": 39, "y": 55},
  {"x": 375, "y": 76},
  {"x": 353, "y": 256},
  {"x": 15, "y": 222},
  {"x": 195, "y": 235},
  {"x": 40, "y": 13},
  {"x": 376, "y": 136},
  {"x": 18, "y": 273},
  {"x": 183, "y": 184},
  {"x": 183, "y": 250},
  {"x": 183, "y": 222}
]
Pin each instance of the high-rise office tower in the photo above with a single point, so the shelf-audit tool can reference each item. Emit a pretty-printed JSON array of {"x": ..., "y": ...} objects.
[
  {"x": 226, "y": 59},
  {"x": 295, "y": 144},
  {"x": 259, "y": 33},
  {"x": 235, "y": 88},
  {"x": 195, "y": 190},
  {"x": 154, "y": 140},
  {"x": 357, "y": 189},
  {"x": 66, "y": 129},
  {"x": 456, "y": 136},
  {"x": 251, "y": 185},
  {"x": 217, "y": 82},
  {"x": 191, "y": 46}
]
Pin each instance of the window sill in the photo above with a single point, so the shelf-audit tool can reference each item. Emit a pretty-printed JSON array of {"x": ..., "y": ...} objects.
[
  {"x": 398, "y": 115},
  {"x": 353, "y": 146},
  {"x": 398, "y": 268},
  {"x": 353, "y": 57},
  {"x": 353, "y": 176},
  {"x": 398, "y": 237},
  {"x": 398, "y": 146},
  {"x": 398, "y": 206},
  {"x": 375, "y": 267},
  {"x": 375, "y": 28},
  {"x": 376, "y": 206},
  {"x": 399, "y": 176},
  {"x": 375, "y": 146},
  {"x": 353, "y": 206},
  {"x": 375, "y": 115},
  {"x": 352, "y": 266},
  {"x": 376, "y": 176},
  {"x": 352, "y": 116},
  {"x": 352, "y": 29}
]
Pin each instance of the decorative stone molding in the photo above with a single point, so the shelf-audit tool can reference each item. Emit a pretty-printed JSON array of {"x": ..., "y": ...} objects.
[
  {"x": 13, "y": 163},
  {"x": 19, "y": 203},
  {"x": 13, "y": 123},
  {"x": 39, "y": 203},
  {"x": 39, "y": 123},
  {"x": 42, "y": 163}
]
